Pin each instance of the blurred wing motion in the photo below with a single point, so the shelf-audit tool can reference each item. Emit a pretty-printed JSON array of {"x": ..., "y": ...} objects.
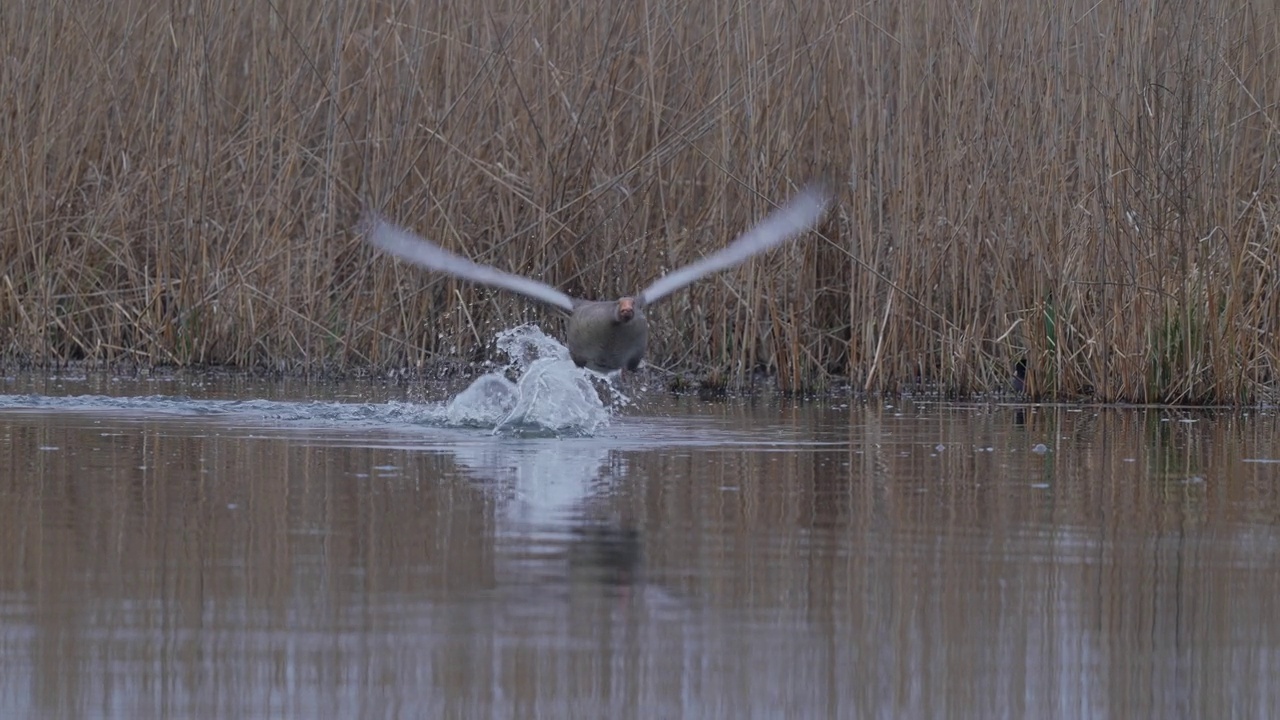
[
  {"x": 797, "y": 216},
  {"x": 408, "y": 246}
]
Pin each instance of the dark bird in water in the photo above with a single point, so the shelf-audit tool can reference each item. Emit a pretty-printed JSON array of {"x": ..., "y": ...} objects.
[{"x": 606, "y": 335}]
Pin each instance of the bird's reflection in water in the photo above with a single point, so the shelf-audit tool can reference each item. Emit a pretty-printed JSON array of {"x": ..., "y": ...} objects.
[{"x": 605, "y": 555}]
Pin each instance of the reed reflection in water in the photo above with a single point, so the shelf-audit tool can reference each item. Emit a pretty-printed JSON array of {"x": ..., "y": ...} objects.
[{"x": 732, "y": 559}]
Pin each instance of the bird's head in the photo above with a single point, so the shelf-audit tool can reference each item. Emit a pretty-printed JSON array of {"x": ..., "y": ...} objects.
[{"x": 626, "y": 309}]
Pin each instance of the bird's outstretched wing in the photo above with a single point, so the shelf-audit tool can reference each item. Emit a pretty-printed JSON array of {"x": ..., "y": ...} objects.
[
  {"x": 409, "y": 246},
  {"x": 797, "y": 216}
]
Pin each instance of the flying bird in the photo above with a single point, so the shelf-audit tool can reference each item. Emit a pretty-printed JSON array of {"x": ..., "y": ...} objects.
[{"x": 606, "y": 335}]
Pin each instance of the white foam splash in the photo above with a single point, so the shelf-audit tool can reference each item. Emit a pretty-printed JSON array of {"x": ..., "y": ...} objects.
[
  {"x": 551, "y": 395},
  {"x": 546, "y": 395}
]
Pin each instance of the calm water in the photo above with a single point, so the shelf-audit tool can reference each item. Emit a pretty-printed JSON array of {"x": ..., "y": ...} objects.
[{"x": 178, "y": 550}]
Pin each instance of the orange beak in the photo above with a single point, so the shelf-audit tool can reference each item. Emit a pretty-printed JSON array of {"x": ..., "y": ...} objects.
[{"x": 626, "y": 309}]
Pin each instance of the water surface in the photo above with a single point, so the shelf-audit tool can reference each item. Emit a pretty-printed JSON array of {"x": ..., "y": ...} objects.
[{"x": 230, "y": 549}]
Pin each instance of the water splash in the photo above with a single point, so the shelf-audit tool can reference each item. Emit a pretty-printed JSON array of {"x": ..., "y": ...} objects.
[
  {"x": 540, "y": 393},
  {"x": 551, "y": 395}
]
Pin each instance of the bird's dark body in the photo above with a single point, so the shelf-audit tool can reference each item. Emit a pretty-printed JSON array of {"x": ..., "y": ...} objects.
[{"x": 599, "y": 340}]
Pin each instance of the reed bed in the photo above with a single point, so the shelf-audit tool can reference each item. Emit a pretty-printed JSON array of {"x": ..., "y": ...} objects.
[{"x": 1082, "y": 194}]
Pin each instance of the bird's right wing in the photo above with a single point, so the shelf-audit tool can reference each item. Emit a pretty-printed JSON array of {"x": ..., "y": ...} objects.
[{"x": 408, "y": 246}]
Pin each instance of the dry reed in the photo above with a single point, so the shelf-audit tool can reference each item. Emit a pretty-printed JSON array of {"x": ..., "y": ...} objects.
[{"x": 1083, "y": 191}]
